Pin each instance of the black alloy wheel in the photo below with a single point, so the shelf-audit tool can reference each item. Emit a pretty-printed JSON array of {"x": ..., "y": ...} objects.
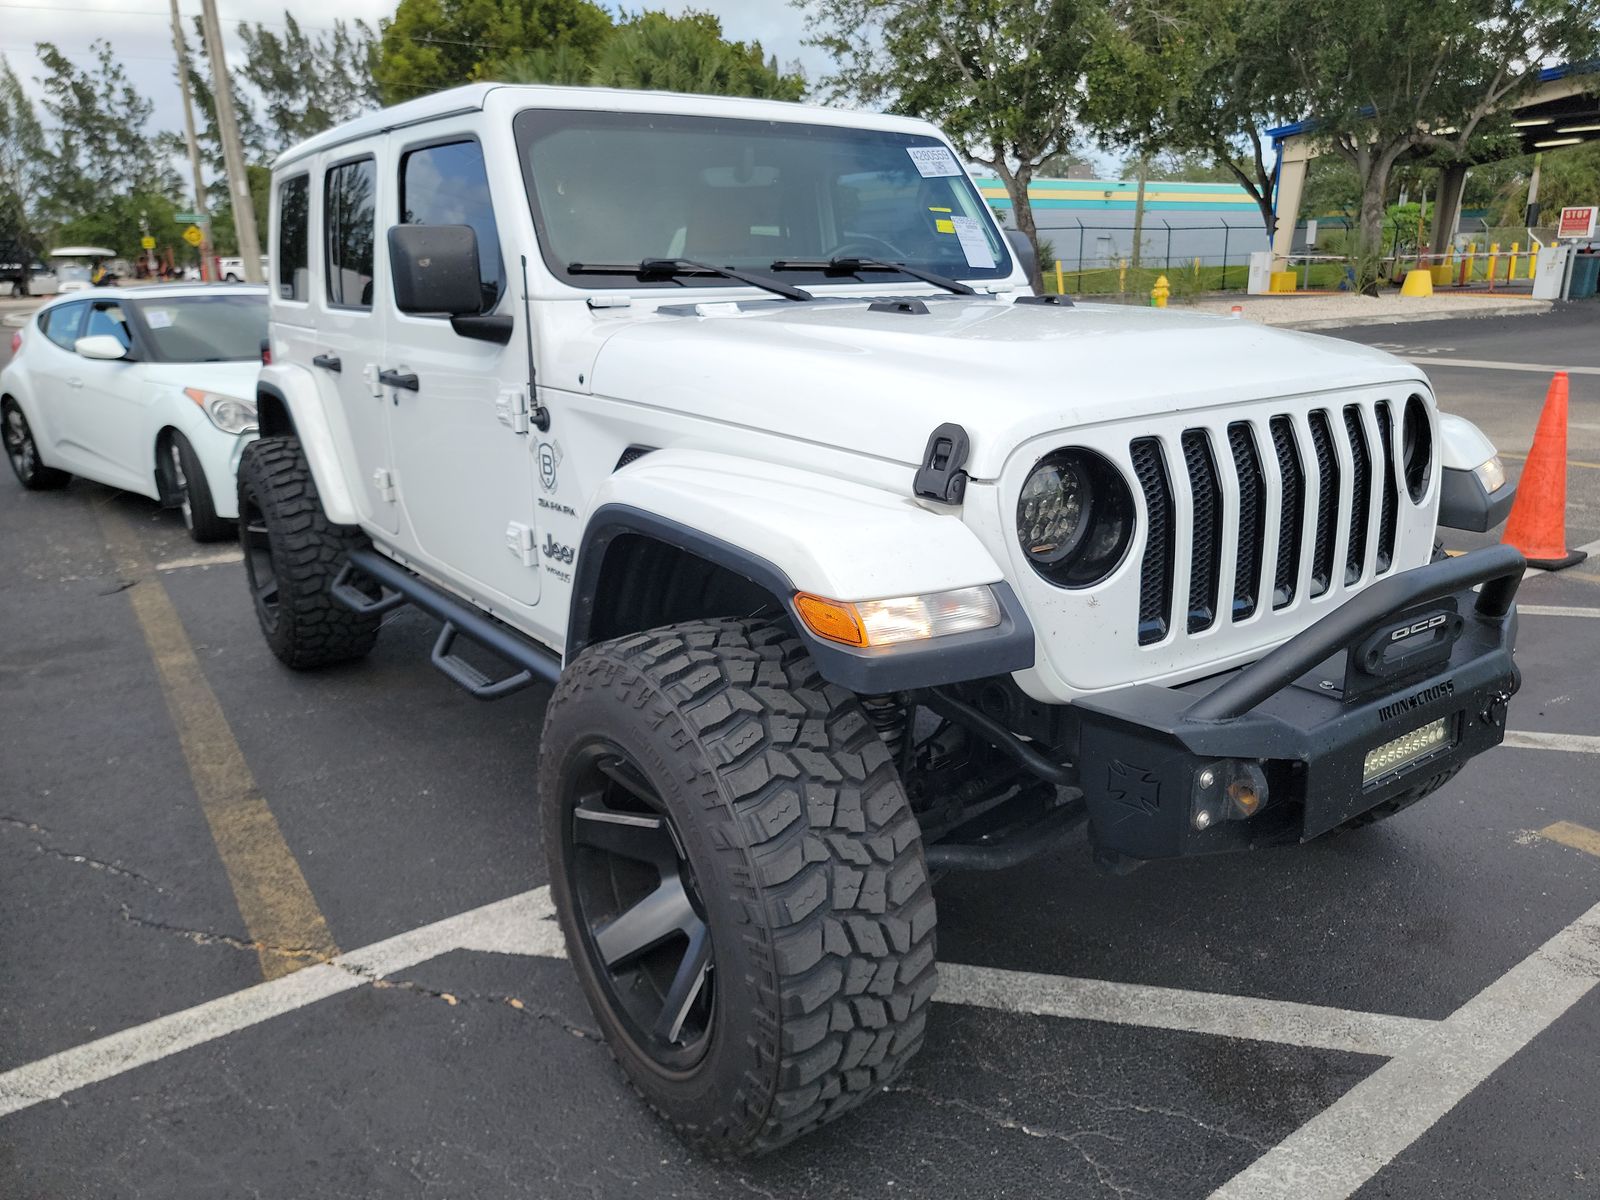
[
  {"x": 644, "y": 925},
  {"x": 259, "y": 569},
  {"x": 23, "y": 452}
]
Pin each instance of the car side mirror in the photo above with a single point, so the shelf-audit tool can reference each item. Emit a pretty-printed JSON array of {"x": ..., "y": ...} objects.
[
  {"x": 1025, "y": 251},
  {"x": 435, "y": 269},
  {"x": 100, "y": 345}
]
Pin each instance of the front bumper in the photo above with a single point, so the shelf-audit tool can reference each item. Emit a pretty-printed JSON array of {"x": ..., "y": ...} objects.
[{"x": 1409, "y": 651}]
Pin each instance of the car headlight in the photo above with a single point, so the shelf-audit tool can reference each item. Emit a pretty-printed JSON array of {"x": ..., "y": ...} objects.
[
  {"x": 1074, "y": 517},
  {"x": 228, "y": 413},
  {"x": 1491, "y": 474}
]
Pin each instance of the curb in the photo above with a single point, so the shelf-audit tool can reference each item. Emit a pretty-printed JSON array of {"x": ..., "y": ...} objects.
[{"x": 1518, "y": 308}]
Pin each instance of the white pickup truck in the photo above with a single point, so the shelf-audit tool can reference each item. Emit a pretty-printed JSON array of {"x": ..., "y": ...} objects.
[{"x": 846, "y": 557}]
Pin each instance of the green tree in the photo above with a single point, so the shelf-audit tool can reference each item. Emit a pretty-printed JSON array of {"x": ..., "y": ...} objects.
[
  {"x": 652, "y": 50},
  {"x": 308, "y": 83},
  {"x": 433, "y": 44},
  {"x": 1385, "y": 79},
  {"x": 21, "y": 161},
  {"x": 1198, "y": 79},
  {"x": 99, "y": 147},
  {"x": 1003, "y": 78}
]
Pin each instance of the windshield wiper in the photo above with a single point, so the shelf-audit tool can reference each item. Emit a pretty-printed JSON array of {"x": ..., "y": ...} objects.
[
  {"x": 676, "y": 268},
  {"x": 855, "y": 266}
]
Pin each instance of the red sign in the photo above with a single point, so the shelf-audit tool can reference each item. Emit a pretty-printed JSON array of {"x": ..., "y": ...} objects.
[{"x": 1576, "y": 222}]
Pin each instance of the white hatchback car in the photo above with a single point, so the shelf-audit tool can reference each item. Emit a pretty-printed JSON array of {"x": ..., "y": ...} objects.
[{"x": 146, "y": 389}]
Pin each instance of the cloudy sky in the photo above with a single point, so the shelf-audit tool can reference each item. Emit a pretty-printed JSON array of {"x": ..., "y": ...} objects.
[{"x": 141, "y": 31}]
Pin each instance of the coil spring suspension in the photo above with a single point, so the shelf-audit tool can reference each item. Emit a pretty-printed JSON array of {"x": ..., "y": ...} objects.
[{"x": 888, "y": 715}]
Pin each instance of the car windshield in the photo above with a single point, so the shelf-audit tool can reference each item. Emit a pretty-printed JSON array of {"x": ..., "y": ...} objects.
[
  {"x": 204, "y": 328},
  {"x": 620, "y": 188},
  {"x": 73, "y": 274}
]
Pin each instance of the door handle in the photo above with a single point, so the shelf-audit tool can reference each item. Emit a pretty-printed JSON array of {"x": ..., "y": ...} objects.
[
  {"x": 394, "y": 379},
  {"x": 74, "y": 382},
  {"x": 328, "y": 362}
]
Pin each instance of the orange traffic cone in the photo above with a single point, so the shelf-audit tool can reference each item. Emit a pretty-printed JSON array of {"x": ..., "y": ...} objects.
[{"x": 1538, "y": 522}]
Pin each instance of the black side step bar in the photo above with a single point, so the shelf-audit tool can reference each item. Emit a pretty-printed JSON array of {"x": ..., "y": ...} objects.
[{"x": 399, "y": 586}]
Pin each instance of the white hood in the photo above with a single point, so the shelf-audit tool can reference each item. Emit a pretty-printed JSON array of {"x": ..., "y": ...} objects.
[
  {"x": 879, "y": 382},
  {"x": 225, "y": 378}
]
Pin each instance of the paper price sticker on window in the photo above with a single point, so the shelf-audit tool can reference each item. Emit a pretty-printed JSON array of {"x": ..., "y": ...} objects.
[
  {"x": 973, "y": 244},
  {"x": 158, "y": 318},
  {"x": 933, "y": 162}
]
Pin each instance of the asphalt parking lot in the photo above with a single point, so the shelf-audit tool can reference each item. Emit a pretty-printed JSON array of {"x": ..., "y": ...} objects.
[{"x": 1404, "y": 1011}]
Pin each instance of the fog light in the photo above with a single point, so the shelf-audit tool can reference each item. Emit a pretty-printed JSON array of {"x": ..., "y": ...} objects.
[
  {"x": 1405, "y": 750},
  {"x": 1229, "y": 790}
]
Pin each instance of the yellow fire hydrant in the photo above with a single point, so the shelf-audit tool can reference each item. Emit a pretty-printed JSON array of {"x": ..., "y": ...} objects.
[{"x": 1159, "y": 293}]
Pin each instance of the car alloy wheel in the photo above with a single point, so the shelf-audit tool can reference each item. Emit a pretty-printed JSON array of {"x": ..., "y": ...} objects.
[
  {"x": 19, "y": 444},
  {"x": 258, "y": 565},
  {"x": 644, "y": 926},
  {"x": 180, "y": 484}
]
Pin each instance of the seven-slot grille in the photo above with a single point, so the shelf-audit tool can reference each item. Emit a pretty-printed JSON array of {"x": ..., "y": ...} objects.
[{"x": 1308, "y": 460}]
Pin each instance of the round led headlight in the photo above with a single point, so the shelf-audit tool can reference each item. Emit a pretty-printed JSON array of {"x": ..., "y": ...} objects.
[{"x": 1074, "y": 518}]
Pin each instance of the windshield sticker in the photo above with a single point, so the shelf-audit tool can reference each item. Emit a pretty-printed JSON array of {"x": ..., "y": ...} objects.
[
  {"x": 973, "y": 244},
  {"x": 933, "y": 162},
  {"x": 941, "y": 220},
  {"x": 158, "y": 318}
]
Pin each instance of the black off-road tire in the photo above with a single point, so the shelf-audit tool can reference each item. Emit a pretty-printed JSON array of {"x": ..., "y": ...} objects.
[
  {"x": 22, "y": 451},
  {"x": 187, "y": 483},
  {"x": 293, "y": 553},
  {"x": 808, "y": 864}
]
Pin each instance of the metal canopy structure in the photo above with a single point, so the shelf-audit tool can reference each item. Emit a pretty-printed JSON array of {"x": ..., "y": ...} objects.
[{"x": 1564, "y": 110}]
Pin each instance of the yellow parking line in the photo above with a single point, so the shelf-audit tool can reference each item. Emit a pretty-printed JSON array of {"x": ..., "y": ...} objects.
[
  {"x": 279, "y": 911},
  {"x": 1579, "y": 837}
]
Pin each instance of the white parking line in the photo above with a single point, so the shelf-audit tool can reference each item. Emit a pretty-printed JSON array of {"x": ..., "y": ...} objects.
[
  {"x": 215, "y": 559},
  {"x": 1574, "y": 743},
  {"x": 1173, "y": 1008},
  {"x": 1493, "y": 365},
  {"x": 512, "y": 925},
  {"x": 522, "y": 924},
  {"x": 1556, "y": 610},
  {"x": 1336, "y": 1152}
]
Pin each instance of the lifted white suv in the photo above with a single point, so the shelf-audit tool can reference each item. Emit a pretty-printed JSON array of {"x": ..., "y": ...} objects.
[{"x": 848, "y": 558}]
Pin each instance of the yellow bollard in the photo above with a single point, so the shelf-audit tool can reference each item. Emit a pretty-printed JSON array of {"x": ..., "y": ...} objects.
[
  {"x": 1511, "y": 271},
  {"x": 1494, "y": 259},
  {"x": 1466, "y": 262},
  {"x": 1122, "y": 276},
  {"x": 1061, "y": 282},
  {"x": 1159, "y": 293}
]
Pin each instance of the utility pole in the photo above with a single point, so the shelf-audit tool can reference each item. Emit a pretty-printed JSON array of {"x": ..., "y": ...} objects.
[
  {"x": 1138, "y": 209},
  {"x": 244, "y": 213},
  {"x": 1531, "y": 216},
  {"x": 193, "y": 143}
]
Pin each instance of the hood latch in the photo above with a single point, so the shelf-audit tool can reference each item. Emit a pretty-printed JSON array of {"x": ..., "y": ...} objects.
[{"x": 940, "y": 476}]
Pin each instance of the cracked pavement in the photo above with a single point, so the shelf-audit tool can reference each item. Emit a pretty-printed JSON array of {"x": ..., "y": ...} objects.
[{"x": 478, "y": 1074}]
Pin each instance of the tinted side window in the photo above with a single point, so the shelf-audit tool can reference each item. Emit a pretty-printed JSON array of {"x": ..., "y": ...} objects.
[
  {"x": 294, "y": 251},
  {"x": 60, "y": 324},
  {"x": 108, "y": 320},
  {"x": 447, "y": 185},
  {"x": 348, "y": 225}
]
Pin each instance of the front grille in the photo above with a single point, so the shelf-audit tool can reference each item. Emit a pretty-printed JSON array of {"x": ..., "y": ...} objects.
[
  {"x": 1350, "y": 467},
  {"x": 1155, "y": 580}
]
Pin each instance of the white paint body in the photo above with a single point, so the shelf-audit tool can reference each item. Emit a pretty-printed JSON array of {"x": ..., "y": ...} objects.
[
  {"x": 103, "y": 419},
  {"x": 792, "y": 430}
]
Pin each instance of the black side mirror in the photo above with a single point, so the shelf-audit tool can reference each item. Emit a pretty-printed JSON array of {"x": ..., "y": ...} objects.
[
  {"x": 435, "y": 269},
  {"x": 1025, "y": 251}
]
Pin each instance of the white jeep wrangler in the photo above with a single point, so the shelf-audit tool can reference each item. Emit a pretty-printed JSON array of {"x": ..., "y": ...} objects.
[{"x": 847, "y": 557}]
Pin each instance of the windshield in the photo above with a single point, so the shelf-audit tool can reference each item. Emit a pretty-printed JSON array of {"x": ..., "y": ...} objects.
[
  {"x": 618, "y": 188},
  {"x": 73, "y": 274},
  {"x": 204, "y": 328}
]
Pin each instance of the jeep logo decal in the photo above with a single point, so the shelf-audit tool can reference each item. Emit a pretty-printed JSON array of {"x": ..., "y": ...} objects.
[{"x": 555, "y": 550}]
